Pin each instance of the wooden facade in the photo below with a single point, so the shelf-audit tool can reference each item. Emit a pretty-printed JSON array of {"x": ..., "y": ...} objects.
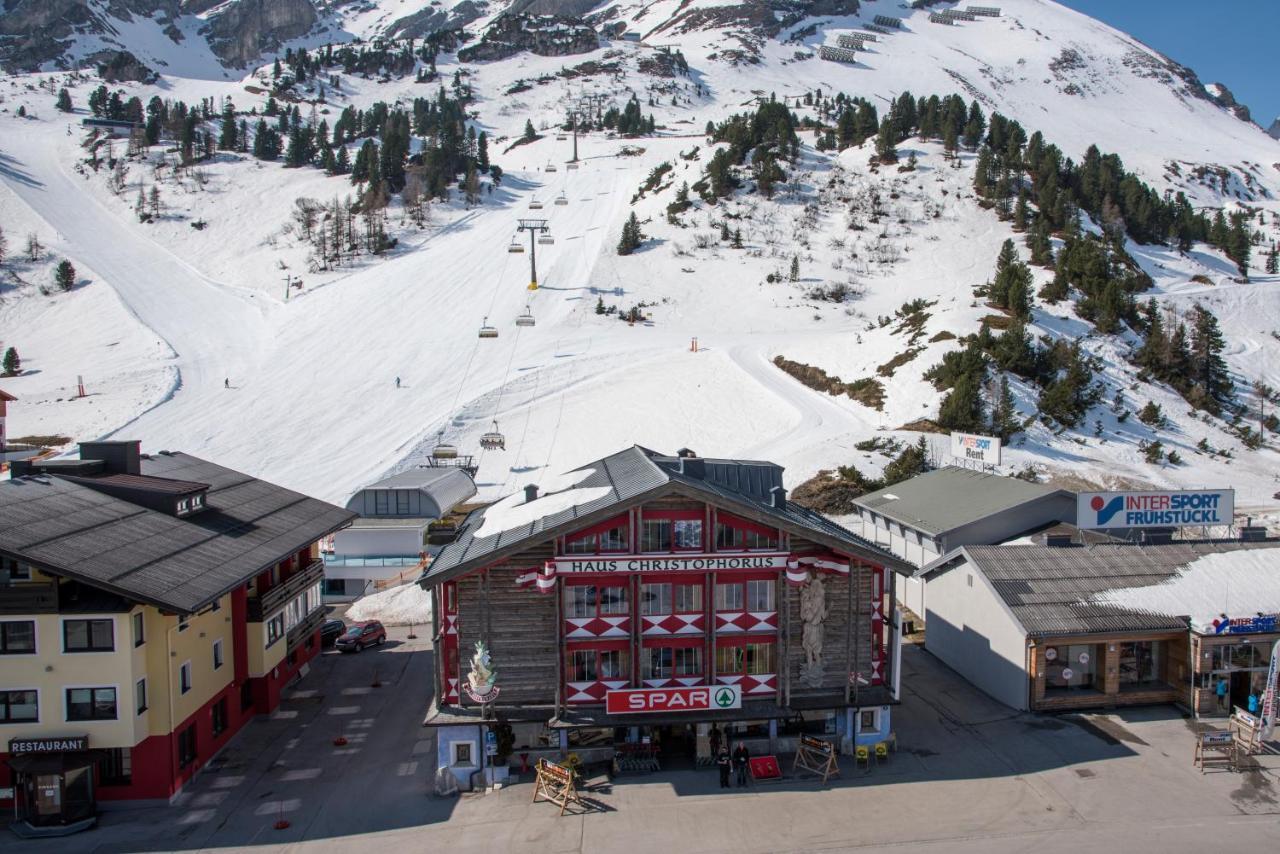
[
  {"x": 739, "y": 626},
  {"x": 1110, "y": 673}
]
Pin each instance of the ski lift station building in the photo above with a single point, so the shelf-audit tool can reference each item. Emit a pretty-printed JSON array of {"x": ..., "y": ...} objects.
[{"x": 389, "y": 536}]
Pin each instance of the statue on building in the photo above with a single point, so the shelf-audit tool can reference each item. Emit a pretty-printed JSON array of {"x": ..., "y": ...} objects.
[
  {"x": 813, "y": 610},
  {"x": 481, "y": 678}
]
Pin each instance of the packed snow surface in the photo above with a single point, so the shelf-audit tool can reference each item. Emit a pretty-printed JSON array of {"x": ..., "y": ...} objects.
[
  {"x": 395, "y": 606},
  {"x": 1238, "y": 583},
  {"x": 561, "y": 494}
]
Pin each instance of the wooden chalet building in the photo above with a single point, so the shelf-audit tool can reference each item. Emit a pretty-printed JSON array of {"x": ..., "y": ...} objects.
[{"x": 604, "y": 597}]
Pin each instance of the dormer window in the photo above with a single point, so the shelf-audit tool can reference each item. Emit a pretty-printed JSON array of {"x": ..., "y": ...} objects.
[
  {"x": 611, "y": 536},
  {"x": 735, "y": 535},
  {"x": 190, "y": 504}
]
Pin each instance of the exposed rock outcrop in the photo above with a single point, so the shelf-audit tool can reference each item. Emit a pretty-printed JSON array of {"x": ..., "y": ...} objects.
[
  {"x": 1221, "y": 95},
  {"x": 1274, "y": 130},
  {"x": 117, "y": 66},
  {"x": 241, "y": 31},
  {"x": 546, "y": 35},
  {"x": 431, "y": 19},
  {"x": 36, "y": 32}
]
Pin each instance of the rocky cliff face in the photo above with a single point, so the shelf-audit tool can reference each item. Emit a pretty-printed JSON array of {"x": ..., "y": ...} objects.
[
  {"x": 242, "y": 31},
  {"x": 432, "y": 20},
  {"x": 546, "y": 36},
  {"x": 36, "y": 32},
  {"x": 1274, "y": 130}
]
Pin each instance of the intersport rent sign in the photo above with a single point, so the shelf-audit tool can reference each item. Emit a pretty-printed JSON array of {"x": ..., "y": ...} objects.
[
  {"x": 1158, "y": 509},
  {"x": 700, "y": 698}
]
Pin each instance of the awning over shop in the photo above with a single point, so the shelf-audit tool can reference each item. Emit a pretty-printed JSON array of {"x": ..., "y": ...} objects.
[{"x": 52, "y": 763}]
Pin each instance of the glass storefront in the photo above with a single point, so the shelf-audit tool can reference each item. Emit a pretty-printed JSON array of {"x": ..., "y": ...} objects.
[
  {"x": 1072, "y": 668},
  {"x": 1239, "y": 666}
]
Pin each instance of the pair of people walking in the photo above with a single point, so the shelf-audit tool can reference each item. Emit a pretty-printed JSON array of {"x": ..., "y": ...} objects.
[{"x": 737, "y": 762}]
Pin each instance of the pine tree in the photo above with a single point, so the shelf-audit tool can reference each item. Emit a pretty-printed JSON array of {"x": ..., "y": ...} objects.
[
  {"x": 529, "y": 133},
  {"x": 12, "y": 364},
  {"x": 1209, "y": 370},
  {"x": 482, "y": 152},
  {"x": 982, "y": 173},
  {"x": 794, "y": 274},
  {"x": 1152, "y": 354},
  {"x": 886, "y": 143},
  {"x": 227, "y": 139},
  {"x": 140, "y": 204},
  {"x": 1020, "y": 212},
  {"x": 342, "y": 163},
  {"x": 64, "y": 101},
  {"x": 1273, "y": 260},
  {"x": 471, "y": 185},
  {"x": 631, "y": 236},
  {"x": 64, "y": 275},
  {"x": 266, "y": 142},
  {"x": 1039, "y": 244},
  {"x": 1013, "y": 351},
  {"x": 737, "y": 238},
  {"x": 961, "y": 409},
  {"x": 974, "y": 126},
  {"x": 1004, "y": 413}
]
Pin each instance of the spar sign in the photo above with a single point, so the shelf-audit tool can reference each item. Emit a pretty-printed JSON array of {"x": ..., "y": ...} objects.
[
  {"x": 974, "y": 448},
  {"x": 1160, "y": 509},
  {"x": 700, "y": 698}
]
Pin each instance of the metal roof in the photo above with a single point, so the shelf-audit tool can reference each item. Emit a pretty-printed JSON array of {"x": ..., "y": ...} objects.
[
  {"x": 1050, "y": 589},
  {"x": 179, "y": 564},
  {"x": 948, "y": 498},
  {"x": 443, "y": 488},
  {"x": 166, "y": 485},
  {"x": 636, "y": 474}
]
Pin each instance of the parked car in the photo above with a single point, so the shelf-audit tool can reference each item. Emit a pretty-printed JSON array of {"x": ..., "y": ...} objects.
[
  {"x": 360, "y": 635},
  {"x": 330, "y": 631}
]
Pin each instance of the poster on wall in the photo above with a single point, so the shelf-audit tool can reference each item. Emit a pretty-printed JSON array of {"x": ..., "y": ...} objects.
[
  {"x": 973, "y": 448},
  {"x": 1155, "y": 509}
]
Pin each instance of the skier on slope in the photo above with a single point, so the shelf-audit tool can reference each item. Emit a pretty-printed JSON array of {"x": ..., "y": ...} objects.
[
  {"x": 397, "y": 382},
  {"x": 226, "y": 383}
]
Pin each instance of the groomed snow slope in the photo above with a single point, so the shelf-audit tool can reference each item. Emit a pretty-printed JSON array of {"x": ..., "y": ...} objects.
[{"x": 313, "y": 403}]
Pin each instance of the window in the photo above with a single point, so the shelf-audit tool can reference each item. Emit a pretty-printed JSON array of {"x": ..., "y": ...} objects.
[
  {"x": 115, "y": 767},
  {"x": 381, "y": 502},
  {"x": 867, "y": 720},
  {"x": 246, "y": 695},
  {"x": 18, "y": 637},
  {"x": 752, "y": 659},
  {"x": 589, "y": 600},
  {"x": 88, "y": 636},
  {"x": 670, "y": 598},
  {"x": 734, "y": 536},
  {"x": 589, "y": 665},
  {"x": 730, "y": 597},
  {"x": 91, "y": 704},
  {"x": 729, "y": 659},
  {"x": 688, "y": 661},
  {"x": 139, "y": 629},
  {"x": 581, "y": 546},
  {"x": 184, "y": 677},
  {"x": 275, "y": 628},
  {"x": 757, "y": 540},
  {"x": 656, "y": 663},
  {"x": 402, "y": 502},
  {"x": 184, "y": 505},
  {"x": 655, "y": 599},
  {"x": 614, "y": 539},
  {"x": 140, "y": 694},
  {"x": 689, "y": 534},
  {"x": 759, "y": 658},
  {"x": 1072, "y": 667},
  {"x": 462, "y": 752},
  {"x": 655, "y": 535},
  {"x": 197, "y": 501},
  {"x": 760, "y": 595},
  {"x": 187, "y": 746},
  {"x": 729, "y": 538},
  {"x": 12, "y": 570},
  {"x": 217, "y": 654},
  {"x": 183, "y": 625},
  {"x": 1140, "y": 663},
  {"x": 19, "y": 707},
  {"x": 218, "y": 713}
]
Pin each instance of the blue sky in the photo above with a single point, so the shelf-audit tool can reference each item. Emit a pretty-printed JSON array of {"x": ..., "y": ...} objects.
[{"x": 1233, "y": 42}]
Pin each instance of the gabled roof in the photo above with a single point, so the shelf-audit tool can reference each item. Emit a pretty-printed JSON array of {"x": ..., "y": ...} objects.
[
  {"x": 1056, "y": 590},
  {"x": 4, "y": 395},
  {"x": 948, "y": 498},
  {"x": 630, "y": 477},
  {"x": 178, "y": 564}
]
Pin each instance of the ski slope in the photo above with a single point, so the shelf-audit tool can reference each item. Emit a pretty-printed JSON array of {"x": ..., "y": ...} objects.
[{"x": 313, "y": 402}]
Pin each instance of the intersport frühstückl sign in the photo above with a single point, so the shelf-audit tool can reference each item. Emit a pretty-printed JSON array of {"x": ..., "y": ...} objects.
[
  {"x": 1155, "y": 509},
  {"x": 699, "y": 698},
  {"x": 973, "y": 448}
]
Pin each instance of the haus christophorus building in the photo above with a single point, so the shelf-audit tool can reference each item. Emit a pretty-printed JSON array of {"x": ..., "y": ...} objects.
[
  {"x": 604, "y": 597},
  {"x": 150, "y": 606}
]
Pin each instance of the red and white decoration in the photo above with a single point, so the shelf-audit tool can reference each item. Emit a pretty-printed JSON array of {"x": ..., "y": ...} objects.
[
  {"x": 728, "y": 622},
  {"x": 678, "y": 681},
  {"x": 752, "y": 685},
  {"x": 798, "y": 569},
  {"x": 672, "y": 624},
  {"x": 877, "y": 626},
  {"x": 592, "y": 692},
  {"x": 579, "y": 628}
]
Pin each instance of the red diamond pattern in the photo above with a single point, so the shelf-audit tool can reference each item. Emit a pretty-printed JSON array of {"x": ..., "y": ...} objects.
[
  {"x": 597, "y": 627},
  {"x": 747, "y": 621},
  {"x": 591, "y": 692},
  {"x": 673, "y": 624}
]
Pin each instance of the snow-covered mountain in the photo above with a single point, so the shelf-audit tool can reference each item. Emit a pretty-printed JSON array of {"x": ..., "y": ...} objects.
[{"x": 886, "y": 258}]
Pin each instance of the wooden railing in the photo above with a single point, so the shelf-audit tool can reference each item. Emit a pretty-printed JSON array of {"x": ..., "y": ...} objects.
[
  {"x": 261, "y": 607},
  {"x": 29, "y": 598},
  {"x": 308, "y": 625}
]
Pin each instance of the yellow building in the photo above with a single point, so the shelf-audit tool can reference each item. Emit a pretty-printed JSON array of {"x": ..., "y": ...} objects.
[{"x": 149, "y": 606}]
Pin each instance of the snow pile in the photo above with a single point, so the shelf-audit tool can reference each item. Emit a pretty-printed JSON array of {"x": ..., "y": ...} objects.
[
  {"x": 1236, "y": 583},
  {"x": 396, "y": 606},
  {"x": 560, "y": 495}
]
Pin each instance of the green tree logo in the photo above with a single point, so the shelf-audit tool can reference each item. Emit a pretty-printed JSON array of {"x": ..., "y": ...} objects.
[{"x": 724, "y": 698}]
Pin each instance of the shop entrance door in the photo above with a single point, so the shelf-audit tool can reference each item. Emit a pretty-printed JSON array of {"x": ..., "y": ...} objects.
[
  {"x": 677, "y": 746},
  {"x": 1240, "y": 681},
  {"x": 43, "y": 798}
]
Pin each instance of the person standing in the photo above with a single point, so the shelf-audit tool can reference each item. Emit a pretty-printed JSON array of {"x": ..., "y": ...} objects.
[
  {"x": 1221, "y": 690},
  {"x": 722, "y": 765},
  {"x": 740, "y": 757},
  {"x": 714, "y": 738},
  {"x": 1253, "y": 704},
  {"x": 397, "y": 382}
]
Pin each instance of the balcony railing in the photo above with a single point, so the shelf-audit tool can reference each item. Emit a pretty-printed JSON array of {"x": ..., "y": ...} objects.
[
  {"x": 29, "y": 598},
  {"x": 260, "y": 607},
  {"x": 308, "y": 625}
]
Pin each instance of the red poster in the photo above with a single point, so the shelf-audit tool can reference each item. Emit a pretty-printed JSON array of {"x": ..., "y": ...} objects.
[{"x": 765, "y": 767}]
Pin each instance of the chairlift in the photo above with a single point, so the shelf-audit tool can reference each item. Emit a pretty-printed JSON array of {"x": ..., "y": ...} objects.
[
  {"x": 443, "y": 450},
  {"x": 487, "y": 331},
  {"x": 515, "y": 247},
  {"x": 571, "y": 165},
  {"x": 535, "y": 205},
  {"x": 561, "y": 137},
  {"x": 562, "y": 199},
  {"x": 551, "y": 167},
  {"x": 545, "y": 239},
  {"x": 525, "y": 319},
  {"x": 493, "y": 440}
]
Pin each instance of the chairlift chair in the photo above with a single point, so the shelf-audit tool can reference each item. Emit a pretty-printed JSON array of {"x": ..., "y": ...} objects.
[
  {"x": 545, "y": 239},
  {"x": 487, "y": 331},
  {"x": 571, "y": 165},
  {"x": 443, "y": 450},
  {"x": 493, "y": 440},
  {"x": 516, "y": 247},
  {"x": 551, "y": 167},
  {"x": 561, "y": 137},
  {"x": 562, "y": 199},
  {"x": 525, "y": 319},
  {"x": 535, "y": 205}
]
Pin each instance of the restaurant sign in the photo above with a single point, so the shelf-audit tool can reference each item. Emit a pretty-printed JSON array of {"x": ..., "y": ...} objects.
[
  {"x": 700, "y": 698},
  {"x": 61, "y": 744},
  {"x": 1155, "y": 509},
  {"x": 672, "y": 563}
]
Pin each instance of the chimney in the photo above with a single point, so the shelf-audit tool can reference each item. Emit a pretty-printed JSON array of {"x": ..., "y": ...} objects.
[
  {"x": 778, "y": 497},
  {"x": 118, "y": 457},
  {"x": 1057, "y": 540},
  {"x": 686, "y": 454},
  {"x": 1253, "y": 533},
  {"x": 530, "y": 493},
  {"x": 1157, "y": 537}
]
